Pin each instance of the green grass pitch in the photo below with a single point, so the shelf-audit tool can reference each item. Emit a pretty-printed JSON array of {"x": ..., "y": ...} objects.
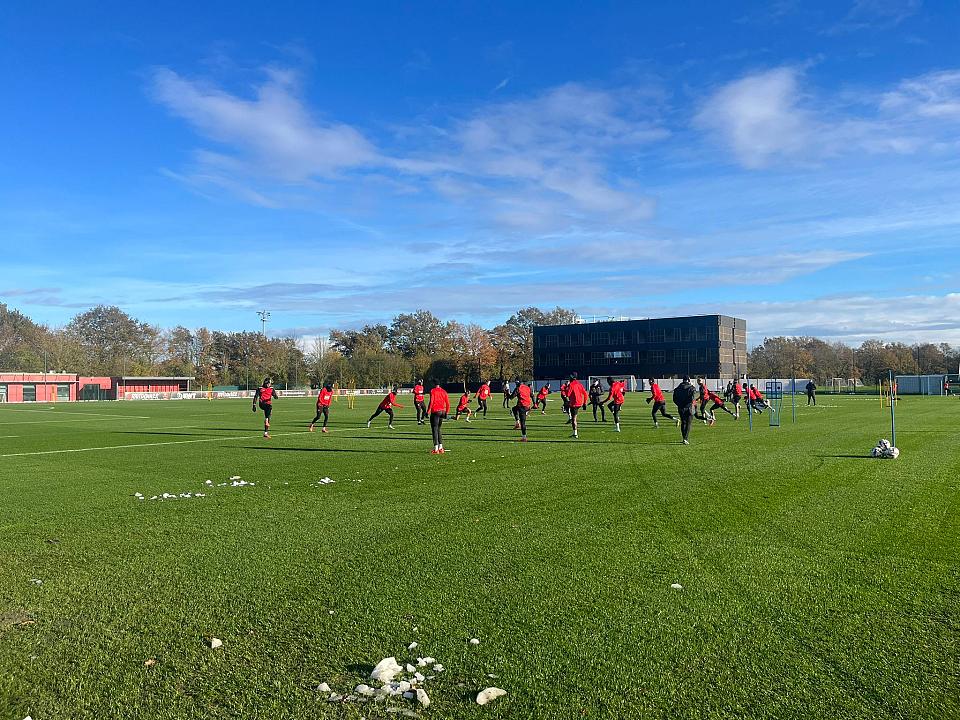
[{"x": 817, "y": 583}]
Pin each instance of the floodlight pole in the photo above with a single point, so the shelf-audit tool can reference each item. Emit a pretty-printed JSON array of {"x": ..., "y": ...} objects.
[
  {"x": 893, "y": 412},
  {"x": 264, "y": 316}
]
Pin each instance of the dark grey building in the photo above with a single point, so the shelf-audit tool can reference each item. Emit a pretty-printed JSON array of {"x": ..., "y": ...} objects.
[{"x": 713, "y": 346}]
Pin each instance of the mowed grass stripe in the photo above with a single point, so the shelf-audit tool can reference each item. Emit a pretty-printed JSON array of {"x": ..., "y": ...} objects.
[{"x": 817, "y": 582}]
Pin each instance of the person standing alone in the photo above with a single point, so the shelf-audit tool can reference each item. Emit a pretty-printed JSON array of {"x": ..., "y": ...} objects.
[
  {"x": 811, "y": 393},
  {"x": 683, "y": 397}
]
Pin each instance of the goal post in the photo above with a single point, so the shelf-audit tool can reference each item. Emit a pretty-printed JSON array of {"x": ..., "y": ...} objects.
[{"x": 629, "y": 380}]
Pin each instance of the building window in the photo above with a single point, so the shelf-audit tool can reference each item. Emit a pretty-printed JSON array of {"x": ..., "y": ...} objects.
[
  {"x": 618, "y": 338},
  {"x": 658, "y": 357},
  {"x": 583, "y": 339},
  {"x": 565, "y": 340},
  {"x": 3, "y": 393},
  {"x": 657, "y": 335},
  {"x": 63, "y": 393},
  {"x": 553, "y": 360},
  {"x": 639, "y": 337},
  {"x": 550, "y": 340},
  {"x": 601, "y": 338},
  {"x": 684, "y": 356},
  {"x": 29, "y": 393},
  {"x": 596, "y": 358}
]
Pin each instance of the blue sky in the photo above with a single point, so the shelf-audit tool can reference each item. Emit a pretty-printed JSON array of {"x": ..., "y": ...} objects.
[{"x": 793, "y": 163}]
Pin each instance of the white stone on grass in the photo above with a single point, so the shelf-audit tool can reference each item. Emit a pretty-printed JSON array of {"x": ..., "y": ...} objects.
[
  {"x": 489, "y": 694},
  {"x": 474, "y": 641},
  {"x": 386, "y": 670},
  {"x": 323, "y": 687},
  {"x": 215, "y": 643},
  {"x": 36, "y": 581},
  {"x": 410, "y": 668},
  {"x": 363, "y": 689},
  {"x": 438, "y": 667},
  {"x": 422, "y": 697},
  {"x": 677, "y": 586},
  {"x": 412, "y": 646}
]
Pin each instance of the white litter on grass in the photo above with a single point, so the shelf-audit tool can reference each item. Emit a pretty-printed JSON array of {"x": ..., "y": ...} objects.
[
  {"x": 412, "y": 646},
  {"x": 474, "y": 641},
  {"x": 677, "y": 586},
  {"x": 322, "y": 481},
  {"x": 234, "y": 477},
  {"x": 323, "y": 687},
  {"x": 422, "y": 697},
  {"x": 215, "y": 643},
  {"x": 386, "y": 670},
  {"x": 208, "y": 482},
  {"x": 438, "y": 667},
  {"x": 410, "y": 668},
  {"x": 36, "y": 581},
  {"x": 489, "y": 694}
]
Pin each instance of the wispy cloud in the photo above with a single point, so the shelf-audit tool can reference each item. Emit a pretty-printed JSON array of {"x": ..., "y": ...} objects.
[
  {"x": 875, "y": 15},
  {"x": 774, "y": 116}
]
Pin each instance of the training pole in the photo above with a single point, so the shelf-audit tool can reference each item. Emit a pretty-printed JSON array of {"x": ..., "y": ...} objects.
[
  {"x": 893, "y": 415},
  {"x": 794, "y": 395},
  {"x": 749, "y": 406}
]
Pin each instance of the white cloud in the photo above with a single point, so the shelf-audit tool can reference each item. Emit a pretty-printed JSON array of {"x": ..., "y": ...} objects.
[
  {"x": 272, "y": 133},
  {"x": 759, "y": 117},
  {"x": 771, "y": 117},
  {"x": 935, "y": 95}
]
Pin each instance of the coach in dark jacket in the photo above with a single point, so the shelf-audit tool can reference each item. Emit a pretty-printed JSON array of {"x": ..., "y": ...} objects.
[
  {"x": 811, "y": 393},
  {"x": 683, "y": 396}
]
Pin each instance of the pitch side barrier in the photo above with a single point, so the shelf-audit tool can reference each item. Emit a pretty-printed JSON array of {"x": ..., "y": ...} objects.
[{"x": 248, "y": 394}]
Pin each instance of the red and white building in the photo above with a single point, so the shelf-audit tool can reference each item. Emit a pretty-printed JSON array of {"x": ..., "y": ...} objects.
[{"x": 70, "y": 387}]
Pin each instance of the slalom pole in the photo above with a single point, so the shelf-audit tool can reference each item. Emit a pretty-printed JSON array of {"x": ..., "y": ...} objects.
[
  {"x": 893, "y": 416},
  {"x": 749, "y": 405},
  {"x": 794, "y": 396}
]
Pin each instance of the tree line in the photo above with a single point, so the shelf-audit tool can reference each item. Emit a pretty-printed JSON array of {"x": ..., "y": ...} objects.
[
  {"x": 870, "y": 361},
  {"x": 107, "y": 341}
]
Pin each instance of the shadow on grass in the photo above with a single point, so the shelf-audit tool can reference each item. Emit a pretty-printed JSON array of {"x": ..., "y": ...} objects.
[
  {"x": 858, "y": 457},
  {"x": 311, "y": 449},
  {"x": 483, "y": 438},
  {"x": 157, "y": 432}
]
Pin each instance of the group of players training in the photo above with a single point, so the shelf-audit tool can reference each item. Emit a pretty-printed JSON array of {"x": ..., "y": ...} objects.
[{"x": 434, "y": 407}]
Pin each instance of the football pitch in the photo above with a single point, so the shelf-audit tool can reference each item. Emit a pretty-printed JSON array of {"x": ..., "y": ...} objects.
[{"x": 816, "y": 582}]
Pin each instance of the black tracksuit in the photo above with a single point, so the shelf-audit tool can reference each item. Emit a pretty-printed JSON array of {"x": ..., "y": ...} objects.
[{"x": 683, "y": 397}]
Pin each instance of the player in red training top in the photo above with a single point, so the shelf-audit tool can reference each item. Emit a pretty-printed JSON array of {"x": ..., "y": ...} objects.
[
  {"x": 736, "y": 395},
  {"x": 614, "y": 399},
  {"x": 756, "y": 399},
  {"x": 702, "y": 393},
  {"x": 323, "y": 406},
  {"x": 524, "y": 404},
  {"x": 438, "y": 408},
  {"x": 541, "y": 401},
  {"x": 577, "y": 398},
  {"x": 717, "y": 405},
  {"x": 418, "y": 402},
  {"x": 386, "y": 405},
  {"x": 566, "y": 399},
  {"x": 482, "y": 395},
  {"x": 264, "y": 398},
  {"x": 463, "y": 406},
  {"x": 659, "y": 404}
]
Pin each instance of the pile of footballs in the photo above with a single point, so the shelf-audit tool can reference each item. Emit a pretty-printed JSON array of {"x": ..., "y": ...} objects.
[
  {"x": 391, "y": 683},
  {"x": 885, "y": 450}
]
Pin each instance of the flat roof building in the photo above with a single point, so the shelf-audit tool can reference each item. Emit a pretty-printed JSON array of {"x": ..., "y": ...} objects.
[{"x": 712, "y": 346}]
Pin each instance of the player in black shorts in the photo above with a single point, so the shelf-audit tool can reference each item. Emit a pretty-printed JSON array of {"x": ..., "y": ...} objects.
[{"x": 264, "y": 398}]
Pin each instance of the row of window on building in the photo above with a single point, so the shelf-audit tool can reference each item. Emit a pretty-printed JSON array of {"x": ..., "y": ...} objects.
[
  {"x": 640, "y": 337},
  {"x": 630, "y": 357},
  {"x": 30, "y": 392}
]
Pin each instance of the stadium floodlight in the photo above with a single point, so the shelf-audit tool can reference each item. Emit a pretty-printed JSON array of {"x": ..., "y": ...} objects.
[{"x": 264, "y": 316}]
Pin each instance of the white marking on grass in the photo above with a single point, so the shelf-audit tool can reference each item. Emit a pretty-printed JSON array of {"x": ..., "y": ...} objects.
[
  {"x": 70, "y": 412},
  {"x": 139, "y": 445},
  {"x": 5, "y": 437}
]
